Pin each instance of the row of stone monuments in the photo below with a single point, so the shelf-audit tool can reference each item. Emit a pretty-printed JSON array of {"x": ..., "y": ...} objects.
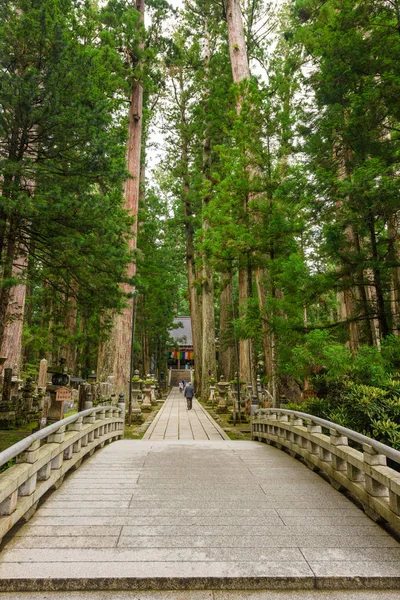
[
  {"x": 224, "y": 396},
  {"x": 50, "y": 397},
  {"x": 148, "y": 392}
]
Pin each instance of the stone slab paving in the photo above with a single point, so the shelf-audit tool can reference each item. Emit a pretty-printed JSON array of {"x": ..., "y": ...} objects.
[
  {"x": 198, "y": 514},
  {"x": 175, "y": 422}
]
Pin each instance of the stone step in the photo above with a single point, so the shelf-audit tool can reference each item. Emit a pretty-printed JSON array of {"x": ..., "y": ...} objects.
[{"x": 177, "y": 375}]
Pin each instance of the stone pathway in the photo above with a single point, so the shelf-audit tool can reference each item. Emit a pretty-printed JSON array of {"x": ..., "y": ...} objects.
[
  {"x": 203, "y": 515},
  {"x": 175, "y": 422}
]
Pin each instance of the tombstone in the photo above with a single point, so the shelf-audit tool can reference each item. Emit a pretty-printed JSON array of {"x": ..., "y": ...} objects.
[
  {"x": 42, "y": 379},
  {"x": 84, "y": 390},
  {"x": 27, "y": 397},
  {"x": 7, "y": 411},
  {"x": 60, "y": 393},
  {"x": 45, "y": 408},
  {"x": 61, "y": 396}
]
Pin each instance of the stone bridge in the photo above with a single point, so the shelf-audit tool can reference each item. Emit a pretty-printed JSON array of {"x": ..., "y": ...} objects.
[{"x": 188, "y": 513}]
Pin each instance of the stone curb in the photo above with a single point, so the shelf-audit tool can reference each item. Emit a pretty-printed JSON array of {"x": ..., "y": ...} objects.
[{"x": 217, "y": 427}]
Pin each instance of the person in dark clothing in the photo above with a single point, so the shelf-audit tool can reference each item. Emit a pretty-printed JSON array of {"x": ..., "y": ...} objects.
[{"x": 189, "y": 393}]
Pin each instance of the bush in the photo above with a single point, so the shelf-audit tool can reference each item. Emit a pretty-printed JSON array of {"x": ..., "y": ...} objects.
[{"x": 373, "y": 411}]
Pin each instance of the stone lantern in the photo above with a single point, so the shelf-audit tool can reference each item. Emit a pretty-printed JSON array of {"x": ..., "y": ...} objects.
[
  {"x": 136, "y": 413},
  {"x": 212, "y": 381},
  {"x": 223, "y": 390},
  {"x": 153, "y": 396},
  {"x": 146, "y": 404},
  {"x": 233, "y": 392}
]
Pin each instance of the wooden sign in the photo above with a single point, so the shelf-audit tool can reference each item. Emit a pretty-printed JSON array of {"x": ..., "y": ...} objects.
[{"x": 63, "y": 394}]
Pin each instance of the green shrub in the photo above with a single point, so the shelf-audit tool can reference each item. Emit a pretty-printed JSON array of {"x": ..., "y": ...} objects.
[{"x": 373, "y": 411}]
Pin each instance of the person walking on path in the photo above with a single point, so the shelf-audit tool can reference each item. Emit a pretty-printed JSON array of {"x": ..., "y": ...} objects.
[{"x": 189, "y": 393}]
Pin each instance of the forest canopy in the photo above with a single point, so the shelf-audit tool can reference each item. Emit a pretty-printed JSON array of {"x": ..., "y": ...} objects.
[{"x": 272, "y": 218}]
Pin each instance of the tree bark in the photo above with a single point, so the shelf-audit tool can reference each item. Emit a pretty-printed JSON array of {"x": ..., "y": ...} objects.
[
  {"x": 208, "y": 364},
  {"x": 240, "y": 72},
  {"x": 269, "y": 338},
  {"x": 382, "y": 316},
  {"x": 11, "y": 345},
  {"x": 226, "y": 362},
  {"x": 71, "y": 317},
  {"x": 117, "y": 350},
  {"x": 194, "y": 296},
  {"x": 394, "y": 255}
]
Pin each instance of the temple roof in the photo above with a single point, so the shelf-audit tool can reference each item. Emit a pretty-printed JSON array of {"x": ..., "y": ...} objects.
[{"x": 183, "y": 334}]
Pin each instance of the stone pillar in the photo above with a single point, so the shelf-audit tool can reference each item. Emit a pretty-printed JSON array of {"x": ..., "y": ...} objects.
[
  {"x": 42, "y": 379},
  {"x": 373, "y": 459}
]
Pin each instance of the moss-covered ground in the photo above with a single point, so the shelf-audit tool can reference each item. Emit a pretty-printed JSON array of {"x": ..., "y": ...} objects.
[
  {"x": 240, "y": 431},
  {"x": 136, "y": 431}
]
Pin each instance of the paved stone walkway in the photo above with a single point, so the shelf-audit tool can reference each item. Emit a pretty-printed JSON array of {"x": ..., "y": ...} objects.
[
  {"x": 198, "y": 514},
  {"x": 175, "y": 422}
]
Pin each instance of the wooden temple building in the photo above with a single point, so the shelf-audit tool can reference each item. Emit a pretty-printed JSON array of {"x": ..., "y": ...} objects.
[{"x": 180, "y": 356}]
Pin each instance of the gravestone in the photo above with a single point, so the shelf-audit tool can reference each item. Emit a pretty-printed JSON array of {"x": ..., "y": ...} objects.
[{"x": 7, "y": 411}]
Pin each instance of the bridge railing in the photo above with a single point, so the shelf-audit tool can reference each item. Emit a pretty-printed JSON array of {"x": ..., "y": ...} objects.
[
  {"x": 363, "y": 472},
  {"x": 43, "y": 459}
]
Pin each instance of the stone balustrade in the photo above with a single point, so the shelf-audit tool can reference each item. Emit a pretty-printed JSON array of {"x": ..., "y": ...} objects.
[
  {"x": 362, "y": 472},
  {"x": 43, "y": 459}
]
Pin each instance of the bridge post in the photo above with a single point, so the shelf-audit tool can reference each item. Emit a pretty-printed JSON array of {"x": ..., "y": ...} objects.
[
  {"x": 373, "y": 459},
  {"x": 313, "y": 429},
  {"x": 394, "y": 495},
  {"x": 338, "y": 463},
  {"x": 30, "y": 457}
]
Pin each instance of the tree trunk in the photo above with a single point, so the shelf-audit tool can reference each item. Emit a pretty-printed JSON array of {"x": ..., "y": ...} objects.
[
  {"x": 237, "y": 42},
  {"x": 240, "y": 72},
  {"x": 226, "y": 362},
  {"x": 349, "y": 298},
  {"x": 194, "y": 296},
  {"x": 71, "y": 328},
  {"x": 244, "y": 344},
  {"x": 117, "y": 350},
  {"x": 382, "y": 316},
  {"x": 394, "y": 254},
  {"x": 194, "y": 299},
  {"x": 269, "y": 339},
  {"x": 208, "y": 364},
  {"x": 12, "y": 300},
  {"x": 11, "y": 346}
]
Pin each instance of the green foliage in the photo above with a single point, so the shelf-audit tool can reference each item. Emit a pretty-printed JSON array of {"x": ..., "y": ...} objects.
[
  {"x": 372, "y": 411},
  {"x": 64, "y": 84}
]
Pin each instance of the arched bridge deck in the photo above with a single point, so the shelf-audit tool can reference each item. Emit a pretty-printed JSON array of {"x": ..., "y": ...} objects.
[{"x": 200, "y": 514}]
